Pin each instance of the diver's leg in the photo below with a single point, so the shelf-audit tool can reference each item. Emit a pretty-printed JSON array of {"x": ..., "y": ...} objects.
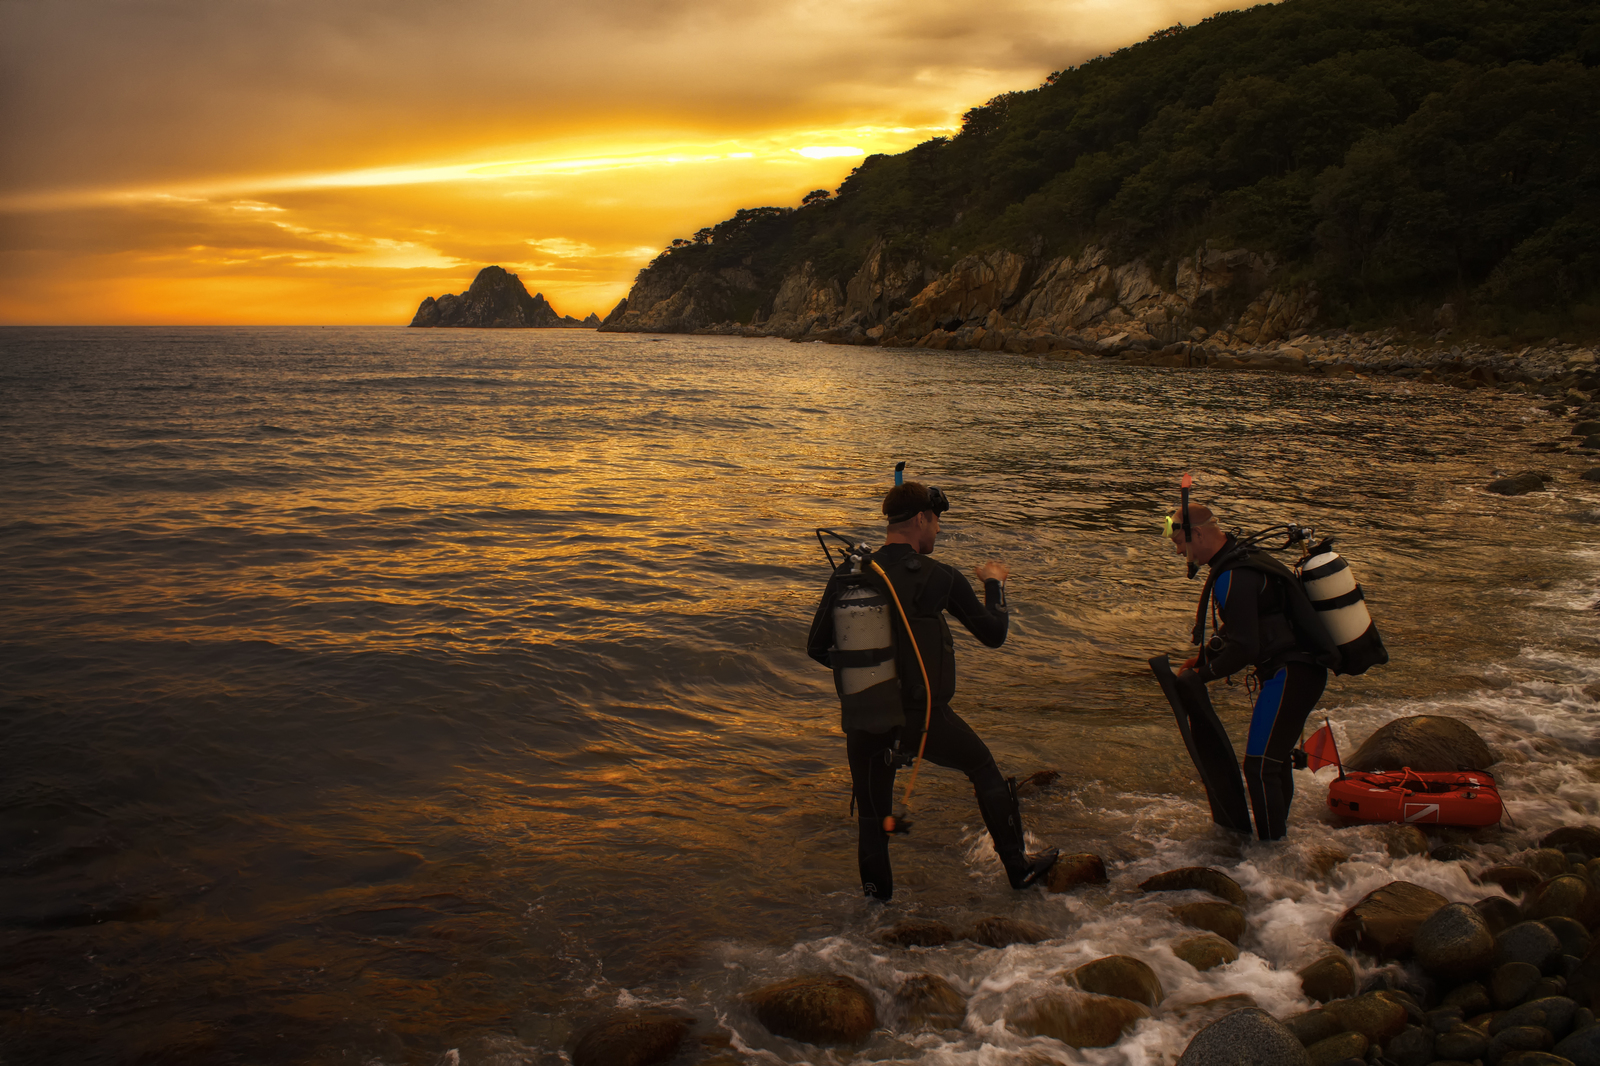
[
  {"x": 952, "y": 743},
  {"x": 1282, "y": 706},
  {"x": 872, "y": 781}
]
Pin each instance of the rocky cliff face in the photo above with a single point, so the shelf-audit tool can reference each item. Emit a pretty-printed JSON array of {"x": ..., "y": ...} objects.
[
  {"x": 496, "y": 300},
  {"x": 997, "y": 301}
]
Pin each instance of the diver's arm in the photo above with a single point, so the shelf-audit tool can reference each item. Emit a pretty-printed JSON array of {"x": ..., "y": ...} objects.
[
  {"x": 1240, "y": 628},
  {"x": 988, "y": 621}
]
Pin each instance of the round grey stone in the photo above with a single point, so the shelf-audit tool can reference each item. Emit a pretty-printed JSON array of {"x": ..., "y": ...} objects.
[
  {"x": 1247, "y": 1037},
  {"x": 1530, "y": 942},
  {"x": 1455, "y": 941}
]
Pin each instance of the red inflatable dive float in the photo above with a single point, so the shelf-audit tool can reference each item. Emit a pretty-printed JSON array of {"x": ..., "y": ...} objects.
[{"x": 1466, "y": 798}]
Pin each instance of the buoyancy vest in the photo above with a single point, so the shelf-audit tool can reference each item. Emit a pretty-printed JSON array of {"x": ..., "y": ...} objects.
[{"x": 1290, "y": 628}]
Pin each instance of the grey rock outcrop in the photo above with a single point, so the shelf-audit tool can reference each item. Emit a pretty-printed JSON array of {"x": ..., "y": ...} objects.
[
  {"x": 1425, "y": 742},
  {"x": 1248, "y": 1037},
  {"x": 993, "y": 301},
  {"x": 495, "y": 300}
]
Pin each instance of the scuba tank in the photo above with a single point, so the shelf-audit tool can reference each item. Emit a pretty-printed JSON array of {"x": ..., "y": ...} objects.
[
  {"x": 1342, "y": 609},
  {"x": 862, "y": 656}
]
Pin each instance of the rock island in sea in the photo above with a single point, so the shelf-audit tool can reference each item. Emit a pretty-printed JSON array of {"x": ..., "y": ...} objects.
[{"x": 496, "y": 300}]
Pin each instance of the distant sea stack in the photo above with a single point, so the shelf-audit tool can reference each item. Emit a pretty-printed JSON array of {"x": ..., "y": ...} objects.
[{"x": 496, "y": 300}]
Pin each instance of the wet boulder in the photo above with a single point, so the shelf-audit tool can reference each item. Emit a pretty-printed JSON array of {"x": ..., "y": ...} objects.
[
  {"x": 1336, "y": 1049},
  {"x": 1199, "y": 878},
  {"x": 1223, "y": 919},
  {"x": 1530, "y": 942},
  {"x": 1319, "y": 860},
  {"x": 1313, "y": 1026},
  {"x": 1402, "y": 840},
  {"x": 1512, "y": 983},
  {"x": 1118, "y": 975},
  {"x": 1208, "y": 1010},
  {"x": 1582, "y": 1048},
  {"x": 1560, "y": 897},
  {"x": 917, "y": 933},
  {"x": 1424, "y": 742},
  {"x": 1454, "y": 942},
  {"x": 1037, "y": 782},
  {"x": 1247, "y": 1037},
  {"x": 1070, "y": 871},
  {"x": 1330, "y": 977},
  {"x": 1461, "y": 1043},
  {"x": 1470, "y": 999},
  {"x": 1554, "y": 1013},
  {"x": 928, "y": 999},
  {"x": 1385, "y": 920},
  {"x": 1077, "y": 1019},
  {"x": 1518, "y": 1038},
  {"x": 825, "y": 1009},
  {"x": 1518, "y": 485},
  {"x": 1574, "y": 937},
  {"x": 1546, "y": 862},
  {"x": 1451, "y": 853},
  {"x": 1378, "y": 1016},
  {"x": 1003, "y": 932},
  {"x": 1513, "y": 880},
  {"x": 1413, "y": 1046},
  {"x": 1499, "y": 912},
  {"x": 1205, "y": 952},
  {"x": 1591, "y": 474},
  {"x": 631, "y": 1038},
  {"x": 1580, "y": 838}
]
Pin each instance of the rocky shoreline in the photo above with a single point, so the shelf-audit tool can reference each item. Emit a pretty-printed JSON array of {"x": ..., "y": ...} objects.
[{"x": 1404, "y": 976}]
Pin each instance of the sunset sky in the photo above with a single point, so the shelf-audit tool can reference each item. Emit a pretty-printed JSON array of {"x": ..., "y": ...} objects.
[{"x": 290, "y": 161}]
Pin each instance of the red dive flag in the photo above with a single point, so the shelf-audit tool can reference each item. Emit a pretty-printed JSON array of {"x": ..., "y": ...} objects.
[{"x": 1321, "y": 750}]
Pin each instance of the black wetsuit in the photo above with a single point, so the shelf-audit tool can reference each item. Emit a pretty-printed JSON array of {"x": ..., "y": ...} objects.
[
  {"x": 1253, "y": 630},
  {"x": 926, "y": 591}
]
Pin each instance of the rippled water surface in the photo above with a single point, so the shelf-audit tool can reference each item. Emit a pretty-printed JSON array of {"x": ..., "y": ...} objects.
[{"x": 370, "y": 694}]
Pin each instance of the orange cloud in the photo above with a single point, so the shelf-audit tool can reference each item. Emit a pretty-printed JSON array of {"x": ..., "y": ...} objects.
[{"x": 229, "y": 161}]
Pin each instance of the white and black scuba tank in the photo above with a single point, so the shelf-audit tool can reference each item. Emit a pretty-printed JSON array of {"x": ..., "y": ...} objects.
[
  {"x": 1342, "y": 609},
  {"x": 863, "y": 656}
]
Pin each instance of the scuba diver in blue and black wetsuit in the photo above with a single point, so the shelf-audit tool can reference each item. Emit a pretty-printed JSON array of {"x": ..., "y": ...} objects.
[
  {"x": 901, "y": 711},
  {"x": 1259, "y": 610}
]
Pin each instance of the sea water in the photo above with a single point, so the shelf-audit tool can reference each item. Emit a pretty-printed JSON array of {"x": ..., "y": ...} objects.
[{"x": 408, "y": 696}]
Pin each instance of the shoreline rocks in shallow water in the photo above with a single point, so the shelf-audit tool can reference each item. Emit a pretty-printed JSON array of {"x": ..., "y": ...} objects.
[
  {"x": 1077, "y": 1019},
  {"x": 1384, "y": 921},
  {"x": 631, "y": 1038},
  {"x": 1428, "y": 743},
  {"x": 828, "y": 1009},
  {"x": 1205, "y": 952},
  {"x": 1214, "y": 916},
  {"x": 1199, "y": 878},
  {"x": 1122, "y": 976},
  {"x": 1247, "y": 1037},
  {"x": 1071, "y": 871}
]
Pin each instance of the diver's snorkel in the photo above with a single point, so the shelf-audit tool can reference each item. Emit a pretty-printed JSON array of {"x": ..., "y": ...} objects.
[{"x": 1188, "y": 531}]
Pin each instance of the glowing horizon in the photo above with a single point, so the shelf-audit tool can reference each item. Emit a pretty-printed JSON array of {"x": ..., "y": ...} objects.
[{"x": 260, "y": 189}]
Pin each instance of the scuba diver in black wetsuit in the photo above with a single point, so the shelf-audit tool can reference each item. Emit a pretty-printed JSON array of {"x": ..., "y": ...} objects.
[
  {"x": 907, "y": 719},
  {"x": 1255, "y": 602}
]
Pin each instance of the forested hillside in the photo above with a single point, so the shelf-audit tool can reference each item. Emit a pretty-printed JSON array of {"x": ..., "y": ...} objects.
[{"x": 1393, "y": 154}]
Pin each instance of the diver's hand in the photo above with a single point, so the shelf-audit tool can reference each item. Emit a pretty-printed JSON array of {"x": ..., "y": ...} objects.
[
  {"x": 992, "y": 571},
  {"x": 1190, "y": 663}
]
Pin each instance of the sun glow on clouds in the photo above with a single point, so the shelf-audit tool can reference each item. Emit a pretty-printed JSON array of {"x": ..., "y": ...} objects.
[{"x": 305, "y": 162}]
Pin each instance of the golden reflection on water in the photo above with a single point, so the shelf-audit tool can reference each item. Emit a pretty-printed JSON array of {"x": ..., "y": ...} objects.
[{"x": 504, "y": 711}]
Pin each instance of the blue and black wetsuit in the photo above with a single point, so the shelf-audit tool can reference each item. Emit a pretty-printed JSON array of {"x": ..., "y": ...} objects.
[{"x": 1253, "y": 630}]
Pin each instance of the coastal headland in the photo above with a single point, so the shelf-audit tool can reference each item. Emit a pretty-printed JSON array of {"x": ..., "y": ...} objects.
[{"x": 1396, "y": 188}]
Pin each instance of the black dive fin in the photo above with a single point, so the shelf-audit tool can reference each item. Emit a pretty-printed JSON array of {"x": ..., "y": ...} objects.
[{"x": 1209, "y": 747}]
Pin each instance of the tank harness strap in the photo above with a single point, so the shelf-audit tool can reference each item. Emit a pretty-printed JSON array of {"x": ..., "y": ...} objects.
[
  {"x": 927, "y": 718},
  {"x": 839, "y": 658}
]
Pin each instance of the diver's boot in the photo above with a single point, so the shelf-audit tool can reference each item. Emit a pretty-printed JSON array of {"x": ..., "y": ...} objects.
[{"x": 1003, "y": 815}]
